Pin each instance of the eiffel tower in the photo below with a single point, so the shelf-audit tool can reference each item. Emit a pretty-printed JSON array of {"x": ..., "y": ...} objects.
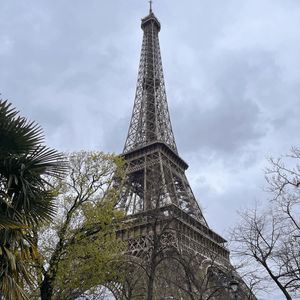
[{"x": 158, "y": 198}]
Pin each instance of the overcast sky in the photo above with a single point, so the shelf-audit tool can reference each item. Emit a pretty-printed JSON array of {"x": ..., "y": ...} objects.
[{"x": 231, "y": 70}]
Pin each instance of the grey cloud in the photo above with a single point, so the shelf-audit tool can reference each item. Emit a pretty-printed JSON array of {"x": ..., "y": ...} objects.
[
  {"x": 237, "y": 105},
  {"x": 52, "y": 119},
  {"x": 225, "y": 128},
  {"x": 115, "y": 136}
]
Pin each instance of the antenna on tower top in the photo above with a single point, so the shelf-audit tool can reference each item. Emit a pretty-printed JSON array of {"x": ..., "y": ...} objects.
[{"x": 150, "y": 6}]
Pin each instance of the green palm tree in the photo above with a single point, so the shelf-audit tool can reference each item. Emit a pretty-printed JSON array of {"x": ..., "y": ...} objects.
[{"x": 26, "y": 197}]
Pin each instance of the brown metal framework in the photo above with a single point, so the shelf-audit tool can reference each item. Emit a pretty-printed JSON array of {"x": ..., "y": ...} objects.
[
  {"x": 150, "y": 121},
  {"x": 156, "y": 185},
  {"x": 156, "y": 172},
  {"x": 187, "y": 234}
]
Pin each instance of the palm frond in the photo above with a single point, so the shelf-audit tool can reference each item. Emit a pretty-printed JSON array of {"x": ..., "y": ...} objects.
[
  {"x": 16, "y": 133},
  {"x": 8, "y": 223},
  {"x": 26, "y": 197}
]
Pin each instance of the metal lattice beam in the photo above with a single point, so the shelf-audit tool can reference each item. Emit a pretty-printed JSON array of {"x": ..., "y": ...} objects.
[
  {"x": 150, "y": 119},
  {"x": 155, "y": 171}
]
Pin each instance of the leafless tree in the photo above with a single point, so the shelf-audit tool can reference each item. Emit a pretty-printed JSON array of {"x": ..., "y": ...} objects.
[{"x": 270, "y": 238}]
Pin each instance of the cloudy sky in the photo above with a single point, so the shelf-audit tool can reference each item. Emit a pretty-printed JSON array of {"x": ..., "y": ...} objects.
[{"x": 231, "y": 70}]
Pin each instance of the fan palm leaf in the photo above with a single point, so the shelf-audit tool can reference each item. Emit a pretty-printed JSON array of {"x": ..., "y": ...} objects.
[{"x": 26, "y": 197}]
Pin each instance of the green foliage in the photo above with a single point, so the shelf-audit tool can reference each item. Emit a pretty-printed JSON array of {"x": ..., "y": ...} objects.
[
  {"x": 91, "y": 259},
  {"x": 78, "y": 249},
  {"x": 25, "y": 196}
]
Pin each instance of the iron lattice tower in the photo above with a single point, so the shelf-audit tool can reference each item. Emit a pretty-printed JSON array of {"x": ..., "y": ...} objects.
[
  {"x": 150, "y": 147},
  {"x": 165, "y": 218}
]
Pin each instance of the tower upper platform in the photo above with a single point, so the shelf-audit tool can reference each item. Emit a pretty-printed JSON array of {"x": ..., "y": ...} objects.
[{"x": 151, "y": 19}]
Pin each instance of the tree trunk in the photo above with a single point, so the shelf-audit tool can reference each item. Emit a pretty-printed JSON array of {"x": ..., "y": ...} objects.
[
  {"x": 151, "y": 281},
  {"x": 46, "y": 288}
]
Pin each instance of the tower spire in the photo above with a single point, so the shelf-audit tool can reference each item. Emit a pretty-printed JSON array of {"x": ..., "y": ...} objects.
[{"x": 150, "y": 11}]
